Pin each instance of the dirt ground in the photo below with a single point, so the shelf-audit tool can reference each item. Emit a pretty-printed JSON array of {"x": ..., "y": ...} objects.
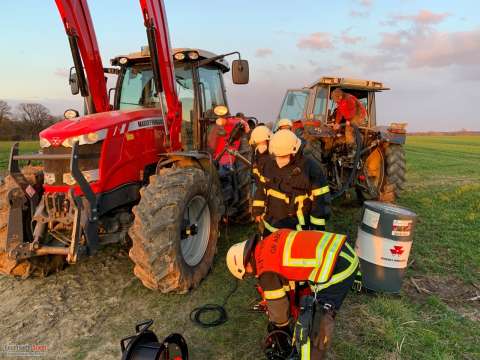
[{"x": 77, "y": 304}]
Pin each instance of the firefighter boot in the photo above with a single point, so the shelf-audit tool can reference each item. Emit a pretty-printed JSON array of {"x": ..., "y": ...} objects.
[{"x": 322, "y": 332}]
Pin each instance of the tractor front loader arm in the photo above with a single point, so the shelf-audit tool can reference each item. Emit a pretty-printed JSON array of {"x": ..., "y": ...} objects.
[
  {"x": 162, "y": 64},
  {"x": 78, "y": 24}
]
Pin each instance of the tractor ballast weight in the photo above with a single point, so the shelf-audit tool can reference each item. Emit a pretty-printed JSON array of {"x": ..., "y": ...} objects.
[
  {"x": 146, "y": 155},
  {"x": 375, "y": 167}
]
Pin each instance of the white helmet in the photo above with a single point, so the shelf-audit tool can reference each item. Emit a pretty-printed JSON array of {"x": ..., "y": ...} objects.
[
  {"x": 259, "y": 134},
  {"x": 284, "y": 142},
  {"x": 239, "y": 254},
  {"x": 284, "y": 122}
]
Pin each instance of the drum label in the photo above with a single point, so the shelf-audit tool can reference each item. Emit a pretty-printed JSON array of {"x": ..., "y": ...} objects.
[
  {"x": 382, "y": 251},
  {"x": 371, "y": 218},
  {"x": 402, "y": 227}
]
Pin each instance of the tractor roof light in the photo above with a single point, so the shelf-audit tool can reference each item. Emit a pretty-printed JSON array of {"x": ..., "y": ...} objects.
[
  {"x": 330, "y": 80},
  {"x": 193, "y": 55},
  {"x": 179, "y": 56},
  {"x": 71, "y": 114},
  {"x": 123, "y": 61}
]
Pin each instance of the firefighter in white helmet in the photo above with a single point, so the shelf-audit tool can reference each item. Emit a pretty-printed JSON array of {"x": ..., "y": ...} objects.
[
  {"x": 259, "y": 140},
  {"x": 292, "y": 192},
  {"x": 284, "y": 124},
  {"x": 288, "y": 256}
]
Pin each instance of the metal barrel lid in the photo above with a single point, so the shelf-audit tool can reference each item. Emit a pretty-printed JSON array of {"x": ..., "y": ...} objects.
[
  {"x": 388, "y": 221},
  {"x": 391, "y": 209}
]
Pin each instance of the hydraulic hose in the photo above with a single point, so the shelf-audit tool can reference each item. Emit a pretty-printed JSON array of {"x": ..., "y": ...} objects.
[{"x": 197, "y": 316}]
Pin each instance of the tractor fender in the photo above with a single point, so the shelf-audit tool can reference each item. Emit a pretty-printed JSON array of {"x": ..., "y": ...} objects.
[
  {"x": 197, "y": 159},
  {"x": 387, "y": 136}
]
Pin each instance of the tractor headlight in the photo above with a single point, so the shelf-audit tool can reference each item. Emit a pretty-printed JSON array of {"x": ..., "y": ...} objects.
[
  {"x": 68, "y": 179},
  {"x": 90, "y": 138},
  {"x": 44, "y": 143},
  {"x": 90, "y": 176},
  {"x": 49, "y": 178}
]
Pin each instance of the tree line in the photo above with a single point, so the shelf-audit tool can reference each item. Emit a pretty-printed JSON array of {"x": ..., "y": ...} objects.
[{"x": 25, "y": 121}]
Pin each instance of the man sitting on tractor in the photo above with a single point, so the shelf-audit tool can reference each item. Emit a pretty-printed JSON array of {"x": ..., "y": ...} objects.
[
  {"x": 350, "y": 109},
  {"x": 292, "y": 192},
  {"x": 324, "y": 260}
]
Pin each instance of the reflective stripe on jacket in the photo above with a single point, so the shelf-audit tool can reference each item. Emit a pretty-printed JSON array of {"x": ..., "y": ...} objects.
[
  {"x": 295, "y": 196},
  {"x": 299, "y": 255}
]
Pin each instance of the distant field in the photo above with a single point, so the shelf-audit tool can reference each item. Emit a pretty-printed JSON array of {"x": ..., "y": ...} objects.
[
  {"x": 5, "y": 146},
  {"x": 82, "y": 312}
]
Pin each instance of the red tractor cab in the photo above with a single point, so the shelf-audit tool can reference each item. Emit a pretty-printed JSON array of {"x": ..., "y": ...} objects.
[{"x": 141, "y": 166}]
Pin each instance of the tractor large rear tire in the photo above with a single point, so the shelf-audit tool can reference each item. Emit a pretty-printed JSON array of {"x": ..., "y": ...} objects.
[
  {"x": 243, "y": 214},
  {"x": 37, "y": 266},
  {"x": 157, "y": 251},
  {"x": 395, "y": 173}
]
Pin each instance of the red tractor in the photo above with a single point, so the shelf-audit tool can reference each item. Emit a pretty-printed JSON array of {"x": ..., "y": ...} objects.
[{"x": 145, "y": 166}]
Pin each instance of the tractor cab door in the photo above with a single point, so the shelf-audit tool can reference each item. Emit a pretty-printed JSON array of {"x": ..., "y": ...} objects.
[
  {"x": 210, "y": 94},
  {"x": 320, "y": 101},
  {"x": 295, "y": 105}
]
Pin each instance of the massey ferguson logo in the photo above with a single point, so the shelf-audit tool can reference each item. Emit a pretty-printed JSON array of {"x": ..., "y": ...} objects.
[
  {"x": 56, "y": 141},
  {"x": 397, "y": 250}
]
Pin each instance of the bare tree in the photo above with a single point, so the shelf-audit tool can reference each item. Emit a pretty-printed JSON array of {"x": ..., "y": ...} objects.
[
  {"x": 5, "y": 111},
  {"x": 35, "y": 118}
]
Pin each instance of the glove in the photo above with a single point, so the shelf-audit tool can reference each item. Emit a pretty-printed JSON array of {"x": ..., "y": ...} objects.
[{"x": 304, "y": 322}]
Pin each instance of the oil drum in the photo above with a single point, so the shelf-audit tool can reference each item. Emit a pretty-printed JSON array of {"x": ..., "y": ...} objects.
[{"x": 383, "y": 245}]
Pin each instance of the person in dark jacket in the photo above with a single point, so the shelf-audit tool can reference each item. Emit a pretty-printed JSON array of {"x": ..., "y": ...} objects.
[{"x": 292, "y": 191}]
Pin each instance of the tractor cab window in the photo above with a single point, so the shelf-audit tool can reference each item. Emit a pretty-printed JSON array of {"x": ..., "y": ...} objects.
[
  {"x": 320, "y": 104},
  {"x": 211, "y": 87},
  {"x": 138, "y": 88},
  {"x": 186, "y": 95},
  {"x": 294, "y": 105}
]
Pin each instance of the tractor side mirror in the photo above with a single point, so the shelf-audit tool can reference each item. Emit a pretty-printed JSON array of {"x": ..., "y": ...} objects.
[
  {"x": 240, "y": 72},
  {"x": 73, "y": 82}
]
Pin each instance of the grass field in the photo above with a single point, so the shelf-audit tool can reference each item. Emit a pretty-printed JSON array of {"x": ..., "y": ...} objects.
[
  {"x": 5, "y": 146},
  {"x": 97, "y": 302}
]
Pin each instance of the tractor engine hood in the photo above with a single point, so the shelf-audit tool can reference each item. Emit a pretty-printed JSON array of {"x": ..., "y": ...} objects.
[{"x": 96, "y": 127}]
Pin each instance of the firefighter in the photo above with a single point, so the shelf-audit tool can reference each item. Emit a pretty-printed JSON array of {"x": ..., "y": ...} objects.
[
  {"x": 325, "y": 260},
  {"x": 259, "y": 139},
  {"x": 292, "y": 191},
  {"x": 350, "y": 109},
  {"x": 284, "y": 124}
]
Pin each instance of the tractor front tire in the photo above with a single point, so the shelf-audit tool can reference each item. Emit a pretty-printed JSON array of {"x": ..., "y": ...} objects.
[
  {"x": 36, "y": 266},
  {"x": 395, "y": 173},
  {"x": 165, "y": 260}
]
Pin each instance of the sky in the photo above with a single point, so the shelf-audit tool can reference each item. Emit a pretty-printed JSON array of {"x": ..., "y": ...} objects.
[{"x": 427, "y": 52}]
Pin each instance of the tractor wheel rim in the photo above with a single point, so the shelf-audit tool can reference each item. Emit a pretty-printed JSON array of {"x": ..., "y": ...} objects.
[{"x": 194, "y": 246}]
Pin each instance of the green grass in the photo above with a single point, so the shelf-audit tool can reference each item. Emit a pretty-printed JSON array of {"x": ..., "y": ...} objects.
[
  {"x": 5, "y": 147},
  {"x": 443, "y": 189}
]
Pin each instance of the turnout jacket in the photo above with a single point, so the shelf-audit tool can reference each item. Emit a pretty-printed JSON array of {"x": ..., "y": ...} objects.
[
  {"x": 295, "y": 196},
  {"x": 288, "y": 256},
  {"x": 258, "y": 163}
]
